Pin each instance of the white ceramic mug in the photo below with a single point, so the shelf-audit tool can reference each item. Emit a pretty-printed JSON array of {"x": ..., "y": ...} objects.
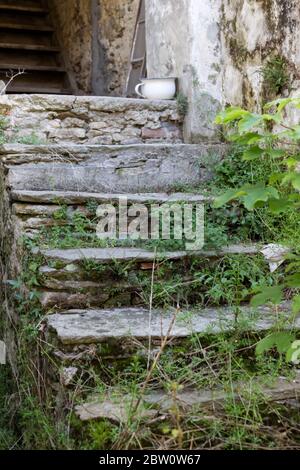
[{"x": 157, "y": 88}]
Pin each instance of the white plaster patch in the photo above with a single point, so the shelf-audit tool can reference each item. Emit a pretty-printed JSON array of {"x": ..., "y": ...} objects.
[
  {"x": 233, "y": 85},
  {"x": 253, "y": 25}
]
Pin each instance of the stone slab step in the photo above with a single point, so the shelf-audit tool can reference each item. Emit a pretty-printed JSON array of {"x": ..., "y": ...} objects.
[
  {"x": 92, "y": 119},
  {"x": 157, "y": 402},
  {"x": 36, "y": 209},
  {"x": 122, "y": 276},
  {"x": 77, "y": 198},
  {"x": 74, "y": 327},
  {"x": 106, "y": 255},
  {"x": 98, "y": 169}
]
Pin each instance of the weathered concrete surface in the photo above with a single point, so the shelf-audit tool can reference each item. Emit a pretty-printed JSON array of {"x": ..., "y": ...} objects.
[
  {"x": 90, "y": 120},
  {"x": 119, "y": 408},
  {"x": 97, "y": 326},
  {"x": 127, "y": 169}
]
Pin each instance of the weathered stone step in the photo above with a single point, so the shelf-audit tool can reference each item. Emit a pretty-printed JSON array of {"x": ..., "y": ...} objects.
[
  {"x": 91, "y": 119},
  {"x": 37, "y": 209},
  {"x": 157, "y": 402},
  {"x": 98, "y": 169},
  {"x": 76, "y": 198},
  {"x": 138, "y": 255},
  {"x": 122, "y": 276},
  {"x": 74, "y": 327}
]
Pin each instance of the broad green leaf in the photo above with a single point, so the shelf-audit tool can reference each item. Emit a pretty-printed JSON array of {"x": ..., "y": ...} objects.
[
  {"x": 272, "y": 117},
  {"x": 294, "y": 257},
  {"x": 227, "y": 197},
  {"x": 293, "y": 353},
  {"x": 277, "y": 206},
  {"x": 296, "y": 305},
  {"x": 276, "y": 178},
  {"x": 252, "y": 153},
  {"x": 280, "y": 340},
  {"x": 292, "y": 266},
  {"x": 264, "y": 345},
  {"x": 294, "y": 133},
  {"x": 246, "y": 139},
  {"x": 293, "y": 281},
  {"x": 294, "y": 197},
  {"x": 272, "y": 294},
  {"x": 283, "y": 340},
  {"x": 280, "y": 103},
  {"x": 249, "y": 121},
  {"x": 258, "y": 193},
  {"x": 291, "y": 163},
  {"x": 293, "y": 178},
  {"x": 296, "y": 182},
  {"x": 251, "y": 196},
  {"x": 276, "y": 153},
  {"x": 230, "y": 114}
]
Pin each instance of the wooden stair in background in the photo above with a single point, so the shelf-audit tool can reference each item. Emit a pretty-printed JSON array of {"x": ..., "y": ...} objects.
[{"x": 28, "y": 43}]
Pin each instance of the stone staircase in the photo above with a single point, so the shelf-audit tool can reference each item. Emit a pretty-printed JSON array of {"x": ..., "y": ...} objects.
[
  {"x": 28, "y": 44},
  {"x": 96, "y": 301}
]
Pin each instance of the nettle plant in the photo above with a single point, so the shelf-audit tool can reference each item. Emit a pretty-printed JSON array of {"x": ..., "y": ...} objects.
[{"x": 269, "y": 137}]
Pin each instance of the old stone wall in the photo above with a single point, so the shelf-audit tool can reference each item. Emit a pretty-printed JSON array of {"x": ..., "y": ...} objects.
[{"x": 89, "y": 120}]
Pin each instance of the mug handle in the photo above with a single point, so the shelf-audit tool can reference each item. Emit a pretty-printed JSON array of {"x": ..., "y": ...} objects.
[{"x": 137, "y": 90}]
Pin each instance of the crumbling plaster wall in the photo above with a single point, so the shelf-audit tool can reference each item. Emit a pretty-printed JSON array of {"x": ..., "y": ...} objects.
[
  {"x": 251, "y": 33},
  {"x": 217, "y": 48},
  {"x": 97, "y": 37}
]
